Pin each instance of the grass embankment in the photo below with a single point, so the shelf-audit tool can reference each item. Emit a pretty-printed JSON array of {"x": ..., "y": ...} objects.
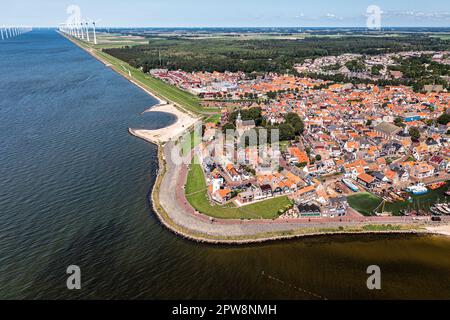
[
  {"x": 196, "y": 194},
  {"x": 188, "y": 144},
  {"x": 161, "y": 89}
]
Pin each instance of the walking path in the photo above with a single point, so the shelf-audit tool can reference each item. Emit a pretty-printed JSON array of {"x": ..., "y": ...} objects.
[{"x": 186, "y": 221}]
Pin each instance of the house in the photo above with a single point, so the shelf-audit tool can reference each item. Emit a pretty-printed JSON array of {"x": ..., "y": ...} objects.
[
  {"x": 392, "y": 176},
  {"x": 366, "y": 180},
  {"x": 381, "y": 163},
  {"x": 403, "y": 175},
  {"x": 296, "y": 156},
  {"x": 380, "y": 177},
  {"x": 353, "y": 172},
  {"x": 221, "y": 196},
  {"x": 351, "y": 146},
  {"x": 363, "y": 143},
  {"x": 246, "y": 196},
  {"x": 309, "y": 210},
  {"x": 264, "y": 191},
  {"x": 396, "y": 74},
  {"x": 422, "y": 170},
  {"x": 305, "y": 194},
  {"x": 337, "y": 206},
  {"x": 232, "y": 172},
  {"x": 439, "y": 163},
  {"x": 420, "y": 152},
  {"x": 433, "y": 145},
  {"x": 392, "y": 148}
]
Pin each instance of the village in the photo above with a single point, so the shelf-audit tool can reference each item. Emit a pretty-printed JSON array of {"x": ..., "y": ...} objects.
[
  {"x": 373, "y": 67},
  {"x": 388, "y": 141},
  {"x": 238, "y": 85}
]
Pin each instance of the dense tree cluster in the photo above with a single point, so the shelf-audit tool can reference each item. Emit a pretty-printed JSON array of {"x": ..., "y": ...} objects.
[
  {"x": 444, "y": 119},
  {"x": 420, "y": 71},
  {"x": 414, "y": 133},
  {"x": 260, "y": 55},
  {"x": 292, "y": 127}
]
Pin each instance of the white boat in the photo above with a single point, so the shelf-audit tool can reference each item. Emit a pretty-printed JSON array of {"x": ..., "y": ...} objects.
[
  {"x": 442, "y": 207},
  {"x": 350, "y": 185},
  {"x": 417, "y": 189}
]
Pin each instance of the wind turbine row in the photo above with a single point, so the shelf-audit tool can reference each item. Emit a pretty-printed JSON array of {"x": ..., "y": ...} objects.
[
  {"x": 11, "y": 32},
  {"x": 79, "y": 30}
]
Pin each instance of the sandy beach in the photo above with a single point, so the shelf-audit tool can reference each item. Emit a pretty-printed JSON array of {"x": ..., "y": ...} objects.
[{"x": 160, "y": 136}]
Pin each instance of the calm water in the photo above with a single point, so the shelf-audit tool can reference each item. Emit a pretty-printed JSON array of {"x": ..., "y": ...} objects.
[{"x": 74, "y": 189}]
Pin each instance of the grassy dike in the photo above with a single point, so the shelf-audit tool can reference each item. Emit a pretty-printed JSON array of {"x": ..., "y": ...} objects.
[
  {"x": 196, "y": 236},
  {"x": 182, "y": 99}
]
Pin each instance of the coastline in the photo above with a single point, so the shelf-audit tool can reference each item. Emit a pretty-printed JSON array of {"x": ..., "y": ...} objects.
[
  {"x": 160, "y": 136},
  {"x": 193, "y": 232}
]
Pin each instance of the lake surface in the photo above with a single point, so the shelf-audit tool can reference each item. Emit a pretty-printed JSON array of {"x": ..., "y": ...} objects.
[{"x": 74, "y": 187}]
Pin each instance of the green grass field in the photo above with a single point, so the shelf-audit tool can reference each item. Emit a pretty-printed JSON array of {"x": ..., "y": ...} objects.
[
  {"x": 196, "y": 180},
  {"x": 188, "y": 144},
  {"x": 215, "y": 118},
  {"x": 197, "y": 196},
  {"x": 364, "y": 202}
]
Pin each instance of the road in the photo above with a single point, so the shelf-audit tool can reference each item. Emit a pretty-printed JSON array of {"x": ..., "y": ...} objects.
[{"x": 172, "y": 199}]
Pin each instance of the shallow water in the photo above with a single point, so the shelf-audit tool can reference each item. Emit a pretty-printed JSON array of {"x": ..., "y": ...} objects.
[{"x": 74, "y": 188}]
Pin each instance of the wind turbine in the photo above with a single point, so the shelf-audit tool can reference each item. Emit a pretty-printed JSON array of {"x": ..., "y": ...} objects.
[
  {"x": 94, "y": 23},
  {"x": 87, "y": 30},
  {"x": 80, "y": 25}
]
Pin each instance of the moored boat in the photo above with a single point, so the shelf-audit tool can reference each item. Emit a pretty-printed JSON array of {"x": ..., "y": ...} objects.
[
  {"x": 418, "y": 189},
  {"x": 438, "y": 185}
]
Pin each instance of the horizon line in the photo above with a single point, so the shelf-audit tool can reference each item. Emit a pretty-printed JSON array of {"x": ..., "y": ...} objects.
[{"x": 244, "y": 27}]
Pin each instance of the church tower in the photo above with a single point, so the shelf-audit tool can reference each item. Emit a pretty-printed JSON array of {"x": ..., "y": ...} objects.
[{"x": 239, "y": 125}]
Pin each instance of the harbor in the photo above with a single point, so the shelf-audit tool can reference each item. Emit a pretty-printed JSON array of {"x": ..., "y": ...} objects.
[{"x": 416, "y": 200}]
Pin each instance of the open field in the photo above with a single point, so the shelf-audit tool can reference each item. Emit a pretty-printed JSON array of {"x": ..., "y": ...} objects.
[
  {"x": 364, "y": 202},
  {"x": 107, "y": 40},
  {"x": 196, "y": 181},
  {"x": 196, "y": 195}
]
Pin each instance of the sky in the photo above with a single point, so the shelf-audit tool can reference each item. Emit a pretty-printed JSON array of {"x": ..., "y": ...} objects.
[{"x": 229, "y": 13}]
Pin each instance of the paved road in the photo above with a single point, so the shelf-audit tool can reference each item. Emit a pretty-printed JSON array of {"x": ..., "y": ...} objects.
[{"x": 173, "y": 200}]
